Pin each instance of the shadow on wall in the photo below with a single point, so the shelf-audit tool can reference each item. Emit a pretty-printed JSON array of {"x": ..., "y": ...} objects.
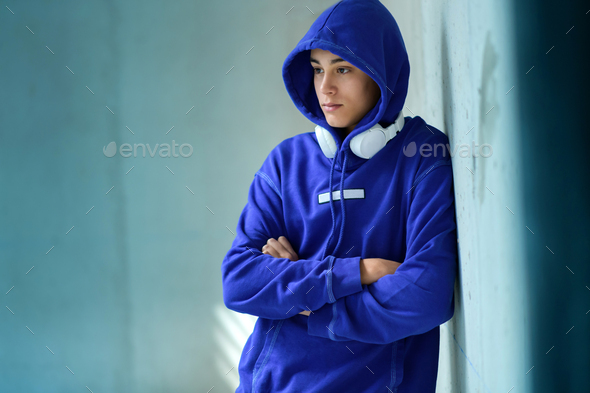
[
  {"x": 556, "y": 172},
  {"x": 456, "y": 325}
]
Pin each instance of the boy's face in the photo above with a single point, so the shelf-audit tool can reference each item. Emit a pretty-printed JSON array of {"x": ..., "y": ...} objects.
[{"x": 338, "y": 82}]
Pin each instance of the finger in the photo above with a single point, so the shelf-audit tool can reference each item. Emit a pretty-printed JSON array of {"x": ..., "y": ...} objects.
[
  {"x": 283, "y": 240},
  {"x": 283, "y": 252},
  {"x": 266, "y": 249}
]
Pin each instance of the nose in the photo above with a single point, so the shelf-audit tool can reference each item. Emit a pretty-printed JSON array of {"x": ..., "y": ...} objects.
[{"x": 327, "y": 86}]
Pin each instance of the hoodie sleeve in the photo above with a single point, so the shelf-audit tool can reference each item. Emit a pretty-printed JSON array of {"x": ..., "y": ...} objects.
[
  {"x": 278, "y": 288},
  {"x": 419, "y": 296}
]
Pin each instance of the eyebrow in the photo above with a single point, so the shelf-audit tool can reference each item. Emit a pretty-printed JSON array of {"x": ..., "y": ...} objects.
[{"x": 336, "y": 60}]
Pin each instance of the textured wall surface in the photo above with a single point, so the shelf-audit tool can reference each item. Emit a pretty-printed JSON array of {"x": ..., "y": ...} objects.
[
  {"x": 462, "y": 83},
  {"x": 511, "y": 74}
]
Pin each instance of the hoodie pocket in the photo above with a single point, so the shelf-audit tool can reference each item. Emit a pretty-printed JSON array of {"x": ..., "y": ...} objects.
[{"x": 271, "y": 338}]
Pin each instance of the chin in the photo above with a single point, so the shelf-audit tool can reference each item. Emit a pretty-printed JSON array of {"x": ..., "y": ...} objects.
[{"x": 336, "y": 123}]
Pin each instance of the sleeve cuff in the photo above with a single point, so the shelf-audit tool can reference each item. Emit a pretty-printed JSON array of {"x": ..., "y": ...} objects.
[{"x": 346, "y": 277}]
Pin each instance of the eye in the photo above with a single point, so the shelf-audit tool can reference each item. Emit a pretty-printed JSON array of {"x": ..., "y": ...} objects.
[{"x": 315, "y": 69}]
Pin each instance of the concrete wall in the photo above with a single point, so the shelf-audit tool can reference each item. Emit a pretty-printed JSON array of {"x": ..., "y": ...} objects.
[{"x": 461, "y": 81}]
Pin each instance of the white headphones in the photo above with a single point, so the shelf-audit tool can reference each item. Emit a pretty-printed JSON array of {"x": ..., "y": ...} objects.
[{"x": 364, "y": 145}]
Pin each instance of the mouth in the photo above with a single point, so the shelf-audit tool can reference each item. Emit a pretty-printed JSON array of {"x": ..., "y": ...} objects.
[{"x": 331, "y": 107}]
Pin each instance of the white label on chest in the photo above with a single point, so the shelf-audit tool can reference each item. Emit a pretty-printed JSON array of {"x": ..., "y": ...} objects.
[{"x": 351, "y": 193}]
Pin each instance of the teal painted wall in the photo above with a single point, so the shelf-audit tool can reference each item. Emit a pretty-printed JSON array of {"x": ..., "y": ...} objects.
[
  {"x": 110, "y": 266},
  {"x": 130, "y": 298}
]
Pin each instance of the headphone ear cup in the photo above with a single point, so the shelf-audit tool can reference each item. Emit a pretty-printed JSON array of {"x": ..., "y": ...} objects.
[
  {"x": 326, "y": 141},
  {"x": 368, "y": 143}
]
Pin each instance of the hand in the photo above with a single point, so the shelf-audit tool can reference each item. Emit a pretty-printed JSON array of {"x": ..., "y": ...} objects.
[
  {"x": 372, "y": 269},
  {"x": 280, "y": 249}
]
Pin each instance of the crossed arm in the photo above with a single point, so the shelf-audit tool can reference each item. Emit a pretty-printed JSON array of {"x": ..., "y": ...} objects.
[
  {"x": 417, "y": 298},
  {"x": 371, "y": 269}
]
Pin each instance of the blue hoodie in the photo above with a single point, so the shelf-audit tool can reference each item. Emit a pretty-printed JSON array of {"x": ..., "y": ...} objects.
[{"x": 382, "y": 337}]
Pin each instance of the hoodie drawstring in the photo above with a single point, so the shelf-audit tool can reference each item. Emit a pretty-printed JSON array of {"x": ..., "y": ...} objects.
[
  {"x": 342, "y": 200},
  {"x": 331, "y": 207},
  {"x": 341, "y": 203}
]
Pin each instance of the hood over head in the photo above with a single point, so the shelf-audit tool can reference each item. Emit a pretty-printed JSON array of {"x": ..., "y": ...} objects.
[{"x": 365, "y": 34}]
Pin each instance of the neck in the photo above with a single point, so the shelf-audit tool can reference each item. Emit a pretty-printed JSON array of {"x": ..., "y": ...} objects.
[{"x": 347, "y": 130}]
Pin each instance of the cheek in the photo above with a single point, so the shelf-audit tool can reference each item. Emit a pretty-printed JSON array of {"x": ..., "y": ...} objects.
[
  {"x": 364, "y": 96},
  {"x": 376, "y": 96},
  {"x": 377, "y": 90},
  {"x": 372, "y": 93},
  {"x": 365, "y": 89}
]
